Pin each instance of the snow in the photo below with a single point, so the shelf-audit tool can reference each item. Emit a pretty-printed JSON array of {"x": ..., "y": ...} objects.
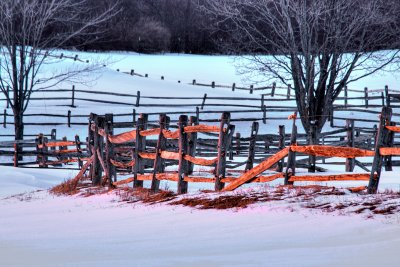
[{"x": 40, "y": 229}]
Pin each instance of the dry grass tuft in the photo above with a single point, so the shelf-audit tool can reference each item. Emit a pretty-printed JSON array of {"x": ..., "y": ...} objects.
[
  {"x": 219, "y": 203},
  {"x": 144, "y": 195},
  {"x": 66, "y": 188}
]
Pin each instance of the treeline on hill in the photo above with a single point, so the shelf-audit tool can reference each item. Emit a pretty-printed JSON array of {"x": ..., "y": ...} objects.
[{"x": 151, "y": 26}]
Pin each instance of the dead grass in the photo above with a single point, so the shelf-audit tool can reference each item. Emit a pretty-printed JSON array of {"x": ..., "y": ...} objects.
[
  {"x": 131, "y": 195},
  {"x": 68, "y": 188},
  {"x": 219, "y": 203}
]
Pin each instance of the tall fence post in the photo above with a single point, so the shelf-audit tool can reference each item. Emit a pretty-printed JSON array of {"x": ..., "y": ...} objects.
[
  {"x": 109, "y": 148},
  {"x": 387, "y": 97},
  {"x": 140, "y": 146},
  {"x": 183, "y": 169},
  {"x": 350, "y": 162},
  {"x": 69, "y": 119},
  {"x": 192, "y": 138},
  {"x": 346, "y": 95},
  {"x": 222, "y": 149},
  {"x": 366, "y": 97},
  {"x": 281, "y": 146},
  {"x": 79, "y": 150},
  {"x": 389, "y": 143},
  {"x": 313, "y": 140},
  {"x": 159, "y": 161},
  {"x": 378, "y": 159},
  {"x": 291, "y": 162},
  {"x": 264, "y": 110},
  {"x": 96, "y": 171},
  {"x": 251, "y": 89},
  {"x": 238, "y": 143},
  {"x": 233, "y": 87},
  {"x": 252, "y": 144}
]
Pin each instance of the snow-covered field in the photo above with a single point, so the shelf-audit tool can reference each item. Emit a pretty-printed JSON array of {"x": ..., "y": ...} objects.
[{"x": 40, "y": 229}]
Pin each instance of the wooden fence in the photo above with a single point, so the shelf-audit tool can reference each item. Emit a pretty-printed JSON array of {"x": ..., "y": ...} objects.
[{"x": 110, "y": 154}]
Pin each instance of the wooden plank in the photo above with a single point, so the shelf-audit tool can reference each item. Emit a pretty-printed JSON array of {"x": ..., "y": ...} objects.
[
  {"x": 171, "y": 135},
  {"x": 389, "y": 151},
  {"x": 395, "y": 129},
  {"x": 327, "y": 178},
  {"x": 61, "y": 143},
  {"x": 122, "y": 164},
  {"x": 263, "y": 166},
  {"x": 170, "y": 155},
  {"x": 145, "y": 155},
  {"x": 201, "y": 161},
  {"x": 77, "y": 178},
  {"x": 202, "y": 129},
  {"x": 332, "y": 151},
  {"x": 123, "y": 137},
  {"x": 150, "y": 132}
]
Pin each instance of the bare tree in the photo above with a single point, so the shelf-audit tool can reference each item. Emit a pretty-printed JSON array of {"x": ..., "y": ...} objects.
[
  {"x": 319, "y": 46},
  {"x": 30, "y": 32}
]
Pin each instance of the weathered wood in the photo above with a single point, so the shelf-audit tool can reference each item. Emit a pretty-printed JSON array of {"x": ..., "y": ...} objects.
[
  {"x": 389, "y": 151},
  {"x": 109, "y": 149},
  {"x": 222, "y": 150},
  {"x": 140, "y": 146},
  {"x": 389, "y": 142},
  {"x": 192, "y": 144},
  {"x": 123, "y": 137},
  {"x": 79, "y": 150},
  {"x": 159, "y": 161},
  {"x": 366, "y": 97},
  {"x": 251, "y": 155},
  {"x": 327, "y": 178},
  {"x": 79, "y": 176},
  {"x": 350, "y": 162},
  {"x": 183, "y": 168},
  {"x": 204, "y": 101},
  {"x": 263, "y": 166},
  {"x": 73, "y": 97},
  {"x": 281, "y": 133},
  {"x": 96, "y": 172},
  {"x": 238, "y": 144},
  {"x": 291, "y": 161},
  {"x": 378, "y": 160},
  {"x": 137, "y": 99},
  {"x": 332, "y": 151}
]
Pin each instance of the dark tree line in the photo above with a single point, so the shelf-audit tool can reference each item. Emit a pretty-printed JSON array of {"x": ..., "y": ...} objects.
[{"x": 151, "y": 26}]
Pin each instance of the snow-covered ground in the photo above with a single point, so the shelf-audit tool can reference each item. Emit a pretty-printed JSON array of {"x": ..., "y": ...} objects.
[{"x": 40, "y": 229}]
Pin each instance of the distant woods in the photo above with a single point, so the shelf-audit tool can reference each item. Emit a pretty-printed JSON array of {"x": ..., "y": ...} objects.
[
  {"x": 151, "y": 26},
  {"x": 187, "y": 26}
]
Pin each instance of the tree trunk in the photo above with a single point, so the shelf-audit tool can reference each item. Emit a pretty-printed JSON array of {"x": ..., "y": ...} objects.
[{"x": 19, "y": 130}]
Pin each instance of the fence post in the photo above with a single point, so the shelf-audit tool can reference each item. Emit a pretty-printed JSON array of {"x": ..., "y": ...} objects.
[
  {"x": 350, "y": 162},
  {"x": 262, "y": 101},
  {"x": 346, "y": 95},
  {"x": 140, "y": 146},
  {"x": 137, "y": 99},
  {"x": 233, "y": 87},
  {"x": 273, "y": 89},
  {"x": 194, "y": 82},
  {"x": 41, "y": 149},
  {"x": 387, "y": 96},
  {"x": 183, "y": 169},
  {"x": 192, "y": 137},
  {"x": 251, "y": 89},
  {"x": 366, "y": 97},
  {"x": 291, "y": 162},
  {"x": 79, "y": 150},
  {"x": 213, "y": 84},
  {"x": 96, "y": 172},
  {"x": 222, "y": 148},
  {"x": 383, "y": 99},
  {"x": 132, "y": 72},
  {"x": 204, "y": 101},
  {"x": 69, "y": 118},
  {"x": 252, "y": 144},
  {"x": 237, "y": 144},
  {"x": 109, "y": 148},
  {"x": 264, "y": 110},
  {"x": 281, "y": 146},
  {"x": 389, "y": 143},
  {"x": 73, "y": 97},
  {"x": 133, "y": 117},
  {"x": 159, "y": 162},
  {"x": 378, "y": 160},
  {"x": 288, "y": 91},
  {"x": 5, "y": 119}
]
